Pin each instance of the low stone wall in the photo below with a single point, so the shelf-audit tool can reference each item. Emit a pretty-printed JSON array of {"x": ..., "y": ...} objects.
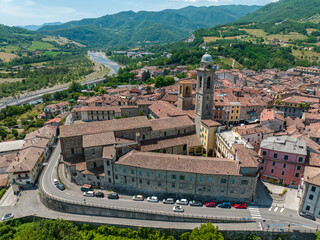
[{"x": 62, "y": 205}]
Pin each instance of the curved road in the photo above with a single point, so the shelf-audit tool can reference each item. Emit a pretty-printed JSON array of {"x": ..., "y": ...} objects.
[{"x": 266, "y": 218}]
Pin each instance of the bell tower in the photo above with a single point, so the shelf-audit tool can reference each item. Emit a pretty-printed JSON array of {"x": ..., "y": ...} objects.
[
  {"x": 185, "y": 99},
  {"x": 205, "y": 90}
]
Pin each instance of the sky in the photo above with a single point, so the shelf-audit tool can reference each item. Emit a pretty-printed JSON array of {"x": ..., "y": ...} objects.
[{"x": 37, "y": 12}]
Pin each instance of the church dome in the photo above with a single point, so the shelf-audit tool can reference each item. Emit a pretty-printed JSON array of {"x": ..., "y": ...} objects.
[{"x": 207, "y": 58}]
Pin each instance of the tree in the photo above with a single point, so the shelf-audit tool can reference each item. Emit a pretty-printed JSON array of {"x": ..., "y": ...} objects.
[
  {"x": 14, "y": 132},
  {"x": 125, "y": 115},
  {"x": 141, "y": 113},
  {"x": 206, "y": 232},
  {"x": 75, "y": 87},
  {"x": 47, "y": 97},
  {"x": 145, "y": 76}
]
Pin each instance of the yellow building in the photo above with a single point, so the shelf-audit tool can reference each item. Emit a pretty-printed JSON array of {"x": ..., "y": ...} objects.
[
  {"x": 207, "y": 136},
  {"x": 235, "y": 110}
]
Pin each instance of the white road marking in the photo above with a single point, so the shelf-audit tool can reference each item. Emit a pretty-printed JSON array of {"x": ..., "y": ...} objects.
[
  {"x": 260, "y": 226},
  {"x": 281, "y": 209},
  {"x": 276, "y": 209},
  {"x": 270, "y": 209},
  {"x": 255, "y": 212}
]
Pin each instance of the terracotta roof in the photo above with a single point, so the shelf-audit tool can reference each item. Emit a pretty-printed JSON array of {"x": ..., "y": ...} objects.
[
  {"x": 270, "y": 114},
  {"x": 109, "y": 152},
  {"x": 299, "y": 99},
  {"x": 313, "y": 130},
  {"x": 4, "y": 180},
  {"x": 44, "y": 132},
  {"x": 170, "y": 123},
  {"x": 312, "y": 175},
  {"x": 189, "y": 140},
  {"x": 164, "y": 109},
  {"x": 180, "y": 163},
  {"x": 210, "y": 123},
  {"x": 26, "y": 160},
  {"x": 252, "y": 129},
  {"x": 98, "y": 171},
  {"x": 104, "y": 126},
  {"x": 247, "y": 157},
  {"x": 99, "y": 139},
  {"x": 6, "y": 160}
]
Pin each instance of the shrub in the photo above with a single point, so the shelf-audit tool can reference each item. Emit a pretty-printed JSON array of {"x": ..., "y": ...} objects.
[{"x": 2, "y": 191}]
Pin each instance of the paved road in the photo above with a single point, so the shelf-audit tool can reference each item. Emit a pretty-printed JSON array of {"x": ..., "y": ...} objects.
[{"x": 273, "y": 218}]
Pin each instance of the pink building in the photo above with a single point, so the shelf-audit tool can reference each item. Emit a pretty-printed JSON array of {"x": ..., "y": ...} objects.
[{"x": 283, "y": 159}]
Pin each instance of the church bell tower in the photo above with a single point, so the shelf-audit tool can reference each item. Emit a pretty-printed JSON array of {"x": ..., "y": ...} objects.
[{"x": 205, "y": 90}]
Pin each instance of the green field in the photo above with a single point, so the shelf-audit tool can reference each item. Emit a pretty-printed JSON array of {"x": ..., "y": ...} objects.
[
  {"x": 256, "y": 32},
  {"x": 287, "y": 37},
  {"x": 9, "y": 48},
  {"x": 40, "y": 45}
]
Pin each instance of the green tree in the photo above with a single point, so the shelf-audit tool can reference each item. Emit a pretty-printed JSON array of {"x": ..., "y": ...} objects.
[
  {"x": 145, "y": 76},
  {"x": 14, "y": 132},
  {"x": 125, "y": 115},
  {"x": 206, "y": 232},
  {"x": 47, "y": 97},
  {"x": 141, "y": 113},
  {"x": 75, "y": 87}
]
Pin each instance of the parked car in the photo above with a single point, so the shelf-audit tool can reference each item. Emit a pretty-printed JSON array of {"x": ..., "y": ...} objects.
[
  {"x": 89, "y": 194},
  {"x": 113, "y": 196},
  {"x": 60, "y": 187},
  {"x": 210, "y": 204},
  {"x": 178, "y": 209},
  {"x": 55, "y": 181},
  {"x": 240, "y": 205},
  {"x": 307, "y": 215},
  {"x": 137, "y": 198},
  {"x": 168, "y": 201},
  {"x": 7, "y": 216},
  {"x": 195, "y": 203},
  {"x": 100, "y": 195},
  {"x": 224, "y": 205},
  {"x": 182, "y": 201},
  {"x": 153, "y": 199}
]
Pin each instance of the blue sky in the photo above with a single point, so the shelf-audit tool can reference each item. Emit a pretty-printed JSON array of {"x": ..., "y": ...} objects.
[{"x": 25, "y": 12}]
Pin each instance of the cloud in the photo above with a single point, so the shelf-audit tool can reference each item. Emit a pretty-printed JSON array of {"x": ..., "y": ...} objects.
[{"x": 24, "y": 12}]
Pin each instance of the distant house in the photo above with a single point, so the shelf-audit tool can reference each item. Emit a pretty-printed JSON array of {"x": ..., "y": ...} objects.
[
  {"x": 272, "y": 119},
  {"x": 53, "y": 110}
]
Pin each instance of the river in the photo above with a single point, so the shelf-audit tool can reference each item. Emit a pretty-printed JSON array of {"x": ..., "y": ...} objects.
[{"x": 100, "y": 57}]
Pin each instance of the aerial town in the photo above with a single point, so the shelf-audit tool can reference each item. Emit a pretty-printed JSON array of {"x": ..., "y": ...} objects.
[{"x": 218, "y": 137}]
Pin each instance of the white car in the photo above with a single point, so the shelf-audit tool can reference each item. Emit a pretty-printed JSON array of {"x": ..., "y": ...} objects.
[
  {"x": 153, "y": 199},
  {"x": 7, "y": 216},
  {"x": 89, "y": 194},
  {"x": 137, "y": 198},
  {"x": 55, "y": 181},
  {"x": 178, "y": 209},
  {"x": 182, "y": 201}
]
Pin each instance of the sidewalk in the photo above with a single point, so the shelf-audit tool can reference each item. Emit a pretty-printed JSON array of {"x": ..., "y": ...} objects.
[
  {"x": 262, "y": 196},
  {"x": 291, "y": 200},
  {"x": 8, "y": 199}
]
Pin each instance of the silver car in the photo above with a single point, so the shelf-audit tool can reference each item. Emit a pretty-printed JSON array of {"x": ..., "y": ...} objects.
[
  {"x": 178, "y": 209},
  {"x": 7, "y": 216}
]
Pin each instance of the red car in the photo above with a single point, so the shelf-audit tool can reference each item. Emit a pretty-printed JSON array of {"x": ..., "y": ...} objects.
[
  {"x": 210, "y": 204},
  {"x": 240, "y": 205}
]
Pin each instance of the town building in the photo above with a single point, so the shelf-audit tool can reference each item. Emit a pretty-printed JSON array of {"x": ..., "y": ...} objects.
[
  {"x": 272, "y": 119},
  {"x": 283, "y": 159},
  {"x": 53, "y": 110}
]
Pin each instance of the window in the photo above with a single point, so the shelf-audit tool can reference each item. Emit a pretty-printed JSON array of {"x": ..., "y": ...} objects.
[
  {"x": 94, "y": 165},
  {"x": 132, "y": 179},
  {"x": 284, "y": 165},
  {"x": 165, "y": 134},
  {"x": 201, "y": 179},
  {"x": 272, "y": 170},
  {"x": 286, "y": 157},
  {"x": 261, "y": 168},
  {"x": 298, "y": 167},
  {"x": 244, "y": 182},
  {"x": 300, "y": 159},
  {"x": 173, "y": 176},
  {"x": 173, "y": 185},
  {"x": 310, "y": 197},
  {"x": 275, "y": 155},
  {"x": 231, "y": 190},
  {"x": 159, "y": 184},
  {"x": 148, "y": 174},
  {"x": 148, "y": 182},
  {"x": 313, "y": 189},
  {"x": 72, "y": 150},
  {"x": 262, "y": 161},
  {"x": 223, "y": 180},
  {"x": 273, "y": 163},
  {"x": 245, "y": 170},
  {"x": 185, "y": 147},
  {"x": 282, "y": 173},
  {"x": 181, "y": 186},
  {"x": 181, "y": 177},
  {"x": 109, "y": 173},
  {"x": 222, "y": 189},
  {"x": 209, "y": 179},
  {"x": 190, "y": 178},
  {"x": 93, "y": 151},
  {"x": 140, "y": 173},
  {"x": 243, "y": 191},
  {"x": 308, "y": 208},
  {"x": 140, "y": 180},
  {"x": 208, "y": 82},
  {"x": 200, "y": 81},
  {"x": 116, "y": 177},
  {"x": 159, "y": 175},
  {"x": 264, "y": 153},
  {"x": 132, "y": 171},
  {"x": 233, "y": 181},
  {"x": 108, "y": 164},
  {"x": 296, "y": 175},
  {"x": 124, "y": 170}
]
